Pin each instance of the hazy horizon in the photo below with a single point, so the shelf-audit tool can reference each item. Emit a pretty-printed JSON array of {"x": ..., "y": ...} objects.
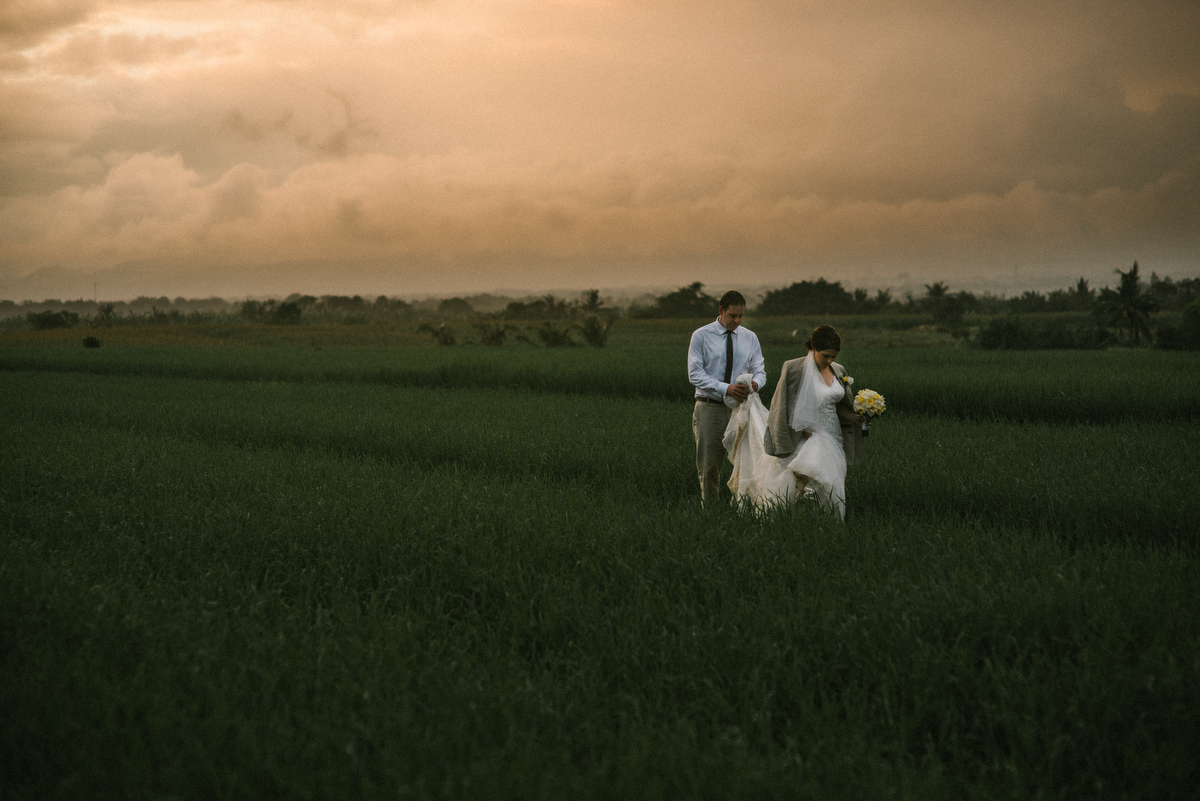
[
  {"x": 421, "y": 147},
  {"x": 620, "y": 295}
]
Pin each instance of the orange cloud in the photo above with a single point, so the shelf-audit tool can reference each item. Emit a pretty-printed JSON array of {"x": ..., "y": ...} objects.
[
  {"x": 596, "y": 133},
  {"x": 23, "y": 22}
]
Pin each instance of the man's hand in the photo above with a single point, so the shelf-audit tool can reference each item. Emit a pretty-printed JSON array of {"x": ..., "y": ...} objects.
[
  {"x": 849, "y": 417},
  {"x": 738, "y": 391}
]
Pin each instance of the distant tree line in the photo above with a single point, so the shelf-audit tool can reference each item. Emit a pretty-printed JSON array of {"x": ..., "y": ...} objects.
[
  {"x": 143, "y": 310},
  {"x": 1117, "y": 315},
  {"x": 821, "y": 297},
  {"x": 562, "y": 323},
  {"x": 164, "y": 311},
  {"x": 1111, "y": 315},
  {"x": 1121, "y": 314}
]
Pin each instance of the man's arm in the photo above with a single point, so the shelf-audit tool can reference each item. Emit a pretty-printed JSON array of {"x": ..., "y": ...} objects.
[
  {"x": 696, "y": 374},
  {"x": 758, "y": 367}
]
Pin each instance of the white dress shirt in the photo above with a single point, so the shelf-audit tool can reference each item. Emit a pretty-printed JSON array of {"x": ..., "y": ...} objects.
[{"x": 706, "y": 359}]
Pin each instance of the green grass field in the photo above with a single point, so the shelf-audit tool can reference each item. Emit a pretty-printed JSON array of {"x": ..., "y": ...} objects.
[{"x": 272, "y": 570}]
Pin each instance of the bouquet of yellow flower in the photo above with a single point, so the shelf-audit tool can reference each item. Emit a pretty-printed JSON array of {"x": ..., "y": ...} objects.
[{"x": 869, "y": 403}]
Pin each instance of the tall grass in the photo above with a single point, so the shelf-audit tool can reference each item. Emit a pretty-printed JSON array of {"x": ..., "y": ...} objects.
[
  {"x": 1053, "y": 386},
  {"x": 256, "y": 589},
  {"x": 1058, "y": 387},
  {"x": 873, "y": 330},
  {"x": 1089, "y": 481},
  {"x": 616, "y": 373}
]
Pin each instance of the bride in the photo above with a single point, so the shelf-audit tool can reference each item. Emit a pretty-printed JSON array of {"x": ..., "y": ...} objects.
[{"x": 799, "y": 450}]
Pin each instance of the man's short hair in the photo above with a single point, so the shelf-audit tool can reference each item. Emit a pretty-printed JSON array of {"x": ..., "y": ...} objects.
[{"x": 731, "y": 298}]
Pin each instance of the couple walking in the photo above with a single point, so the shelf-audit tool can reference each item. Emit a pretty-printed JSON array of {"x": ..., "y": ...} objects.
[{"x": 796, "y": 452}]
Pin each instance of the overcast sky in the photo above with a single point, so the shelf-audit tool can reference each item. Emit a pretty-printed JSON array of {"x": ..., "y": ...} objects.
[{"x": 422, "y": 146}]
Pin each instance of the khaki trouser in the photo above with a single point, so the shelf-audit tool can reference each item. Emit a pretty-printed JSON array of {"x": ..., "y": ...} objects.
[{"x": 708, "y": 427}]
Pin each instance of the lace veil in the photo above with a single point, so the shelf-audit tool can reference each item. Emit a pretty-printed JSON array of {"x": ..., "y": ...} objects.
[{"x": 807, "y": 405}]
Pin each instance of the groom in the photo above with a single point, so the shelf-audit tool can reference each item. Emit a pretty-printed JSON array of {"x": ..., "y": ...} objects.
[{"x": 718, "y": 354}]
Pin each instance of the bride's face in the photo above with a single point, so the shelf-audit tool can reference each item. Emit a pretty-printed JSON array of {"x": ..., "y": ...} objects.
[{"x": 824, "y": 358}]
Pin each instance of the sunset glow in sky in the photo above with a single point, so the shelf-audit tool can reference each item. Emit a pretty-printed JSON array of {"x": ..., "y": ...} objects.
[{"x": 367, "y": 146}]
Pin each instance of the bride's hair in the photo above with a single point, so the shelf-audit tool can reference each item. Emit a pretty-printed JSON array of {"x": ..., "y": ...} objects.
[{"x": 824, "y": 337}]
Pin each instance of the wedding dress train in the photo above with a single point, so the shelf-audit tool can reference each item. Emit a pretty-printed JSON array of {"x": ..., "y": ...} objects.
[{"x": 743, "y": 443}]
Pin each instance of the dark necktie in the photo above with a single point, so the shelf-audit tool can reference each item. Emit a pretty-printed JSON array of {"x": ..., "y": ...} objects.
[{"x": 728, "y": 356}]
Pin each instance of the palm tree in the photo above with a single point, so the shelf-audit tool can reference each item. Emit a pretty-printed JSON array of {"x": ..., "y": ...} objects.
[
  {"x": 1128, "y": 308},
  {"x": 946, "y": 309}
]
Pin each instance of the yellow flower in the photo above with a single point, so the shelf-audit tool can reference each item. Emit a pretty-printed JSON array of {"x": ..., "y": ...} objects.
[{"x": 869, "y": 402}]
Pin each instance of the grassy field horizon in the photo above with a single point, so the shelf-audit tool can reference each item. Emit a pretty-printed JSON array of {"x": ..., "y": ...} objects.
[{"x": 891, "y": 330}]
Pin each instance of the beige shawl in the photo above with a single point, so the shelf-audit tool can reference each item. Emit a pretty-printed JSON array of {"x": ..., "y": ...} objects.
[{"x": 780, "y": 439}]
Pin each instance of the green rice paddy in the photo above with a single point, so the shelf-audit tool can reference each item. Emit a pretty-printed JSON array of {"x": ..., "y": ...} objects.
[{"x": 409, "y": 572}]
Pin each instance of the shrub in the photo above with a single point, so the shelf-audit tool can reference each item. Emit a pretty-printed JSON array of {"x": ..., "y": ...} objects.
[
  {"x": 1185, "y": 336},
  {"x": 455, "y": 307},
  {"x": 554, "y": 337},
  {"x": 392, "y": 306},
  {"x": 255, "y": 310},
  {"x": 441, "y": 335},
  {"x": 1004, "y": 333},
  {"x": 44, "y": 321},
  {"x": 806, "y": 298},
  {"x": 340, "y": 303},
  {"x": 1061, "y": 335},
  {"x": 492, "y": 334},
  {"x": 595, "y": 330},
  {"x": 105, "y": 317},
  {"x": 91, "y": 342},
  {"x": 544, "y": 308},
  {"x": 286, "y": 313},
  {"x": 689, "y": 301},
  {"x": 1012, "y": 333}
]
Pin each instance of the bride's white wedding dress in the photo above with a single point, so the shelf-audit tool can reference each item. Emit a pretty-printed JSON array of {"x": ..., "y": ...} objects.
[{"x": 816, "y": 469}]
